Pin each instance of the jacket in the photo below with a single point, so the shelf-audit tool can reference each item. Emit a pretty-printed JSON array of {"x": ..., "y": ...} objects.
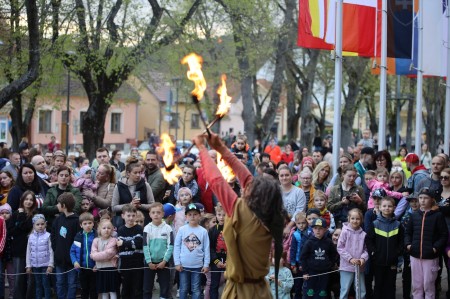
[
  {"x": 299, "y": 239},
  {"x": 39, "y": 250},
  {"x": 351, "y": 245},
  {"x": 108, "y": 256},
  {"x": 21, "y": 227},
  {"x": 418, "y": 174},
  {"x": 425, "y": 231},
  {"x": 64, "y": 230},
  {"x": 318, "y": 255},
  {"x": 385, "y": 241},
  {"x": 80, "y": 251},
  {"x": 218, "y": 250},
  {"x": 51, "y": 200},
  {"x": 158, "y": 243}
]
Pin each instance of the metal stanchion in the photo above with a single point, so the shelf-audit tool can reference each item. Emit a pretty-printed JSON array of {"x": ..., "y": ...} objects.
[{"x": 357, "y": 288}]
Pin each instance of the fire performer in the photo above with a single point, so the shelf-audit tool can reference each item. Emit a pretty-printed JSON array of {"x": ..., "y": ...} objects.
[{"x": 251, "y": 223}]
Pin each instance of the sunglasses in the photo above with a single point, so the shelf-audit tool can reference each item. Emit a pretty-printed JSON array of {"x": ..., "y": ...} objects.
[{"x": 444, "y": 177}]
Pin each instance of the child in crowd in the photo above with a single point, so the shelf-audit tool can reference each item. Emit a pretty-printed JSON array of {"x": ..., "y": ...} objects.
[
  {"x": 369, "y": 175},
  {"x": 320, "y": 202},
  {"x": 425, "y": 239},
  {"x": 140, "y": 218},
  {"x": 285, "y": 279},
  {"x": 311, "y": 215},
  {"x": 104, "y": 253},
  {"x": 382, "y": 182},
  {"x": 299, "y": 237},
  {"x": 21, "y": 228},
  {"x": 406, "y": 274},
  {"x": 316, "y": 246},
  {"x": 84, "y": 182},
  {"x": 6, "y": 252},
  {"x": 191, "y": 253},
  {"x": 65, "y": 228},
  {"x": 169, "y": 213},
  {"x": 158, "y": 249},
  {"x": 334, "y": 283},
  {"x": 184, "y": 198},
  {"x": 218, "y": 251},
  {"x": 130, "y": 243},
  {"x": 353, "y": 253},
  {"x": 208, "y": 221},
  {"x": 39, "y": 259},
  {"x": 80, "y": 253},
  {"x": 385, "y": 242}
]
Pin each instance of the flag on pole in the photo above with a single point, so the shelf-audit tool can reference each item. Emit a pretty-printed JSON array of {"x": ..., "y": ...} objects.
[
  {"x": 435, "y": 41},
  {"x": 317, "y": 25}
]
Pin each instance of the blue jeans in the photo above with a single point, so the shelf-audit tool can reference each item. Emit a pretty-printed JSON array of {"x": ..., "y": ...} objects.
[
  {"x": 66, "y": 284},
  {"x": 190, "y": 278},
  {"x": 42, "y": 282},
  {"x": 347, "y": 279}
]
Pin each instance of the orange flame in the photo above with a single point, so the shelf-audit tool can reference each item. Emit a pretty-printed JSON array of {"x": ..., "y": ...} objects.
[
  {"x": 167, "y": 148},
  {"x": 225, "y": 170},
  {"x": 195, "y": 74},
  {"x": 225, "y": 100}
]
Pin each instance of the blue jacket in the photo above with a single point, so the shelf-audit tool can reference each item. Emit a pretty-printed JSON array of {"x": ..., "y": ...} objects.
[
  {"x": 80, "y": 251},
  {"x": 298, "y": 240}
]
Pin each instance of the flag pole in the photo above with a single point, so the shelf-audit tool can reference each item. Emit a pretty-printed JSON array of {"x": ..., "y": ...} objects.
[
  {"x": 383, "y": 78},
  {"x": 447, "y": 85},
  {"x": 337, "y": 87},
  {"x": 419, "y": 91}
]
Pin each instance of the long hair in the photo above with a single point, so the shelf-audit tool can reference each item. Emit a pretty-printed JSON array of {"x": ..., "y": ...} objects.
[
  {"x": 319, "y": 167},
  {"x": 35, "y": 186},
  {"x": 33, "y": 207},
  {"x": 263, "y": 197}
]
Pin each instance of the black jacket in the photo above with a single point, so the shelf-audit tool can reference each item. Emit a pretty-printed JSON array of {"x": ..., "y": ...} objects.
[
  {"x": 63, "y": 233},
  {"x": 216, "y": 255},
  {"x": 21, "y": 227},
  {"x": 385, "y": 241},
  {"x": 425, "y": 231},
  {"x": 318, "y": 255}
]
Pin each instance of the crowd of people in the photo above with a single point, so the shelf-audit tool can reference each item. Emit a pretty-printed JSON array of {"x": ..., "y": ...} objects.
[{"x": 284, "y": 225}]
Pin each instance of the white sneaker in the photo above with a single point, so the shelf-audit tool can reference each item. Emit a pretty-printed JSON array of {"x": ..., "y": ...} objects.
[{"x": 178, "y": 293}]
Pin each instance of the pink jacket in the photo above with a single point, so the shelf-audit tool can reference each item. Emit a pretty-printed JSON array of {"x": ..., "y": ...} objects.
[
  {"x": 106, "y": 258},
  {"x": 351, "y": 244},
  {"x": 374, "y": 184}
]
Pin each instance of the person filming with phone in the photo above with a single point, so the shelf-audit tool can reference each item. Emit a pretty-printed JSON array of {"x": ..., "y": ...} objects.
[{"x": 132, "y": 189}]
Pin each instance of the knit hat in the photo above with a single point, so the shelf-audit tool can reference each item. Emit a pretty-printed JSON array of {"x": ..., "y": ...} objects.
[
  {"x": 169, "y": 210},
  {"x": 83, "y": 170},
  {"x": 184, "y": 189},
  {"x": 307, "y": 159},
  {"x": 6, "y": 207},
  {"x": 37, "y": 217}
]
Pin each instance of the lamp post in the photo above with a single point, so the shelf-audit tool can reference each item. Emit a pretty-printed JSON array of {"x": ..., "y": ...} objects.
[
  {"x": 176, "y": 83},
  {"x": 69, "y": 54}
]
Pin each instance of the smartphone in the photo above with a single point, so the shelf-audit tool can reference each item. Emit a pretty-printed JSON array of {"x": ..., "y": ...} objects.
[{"x": 137, "y": 195}]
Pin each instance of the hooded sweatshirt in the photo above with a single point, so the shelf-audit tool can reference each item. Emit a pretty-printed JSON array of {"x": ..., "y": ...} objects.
[
  {"x": 351, "y": 245},
  {"x": 63, "y": 234}
]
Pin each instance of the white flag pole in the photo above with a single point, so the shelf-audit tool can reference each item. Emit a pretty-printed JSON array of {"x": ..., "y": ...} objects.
[
  {"x": 447, "y": 91},
  {"x": 419, "y": 92},
  {"x": 383, "y": 78},
  {"x": 337, "y": 87}
]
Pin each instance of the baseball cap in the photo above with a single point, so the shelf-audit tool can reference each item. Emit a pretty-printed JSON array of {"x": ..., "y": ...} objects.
[
  {"x": 412, "y": 158},
  {"x": 319, "y": 222},
  {"x": 413, "y": 195},
  {"x": 169, "y": 209},
  {"x": 192, "y": 207},
  {"x": 427, "y": 191}
]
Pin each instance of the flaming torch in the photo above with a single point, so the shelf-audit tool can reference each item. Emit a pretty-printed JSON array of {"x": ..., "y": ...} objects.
[
  {"x": 171, "y": 172},
  {"x": 225, "y": 170},
  {"x": 195, "y": 74}
]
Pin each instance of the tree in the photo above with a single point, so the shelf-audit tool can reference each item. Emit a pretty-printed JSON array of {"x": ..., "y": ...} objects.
[
  {"x": 16, "y": 85},
  {"x": 105, "y": 57}
]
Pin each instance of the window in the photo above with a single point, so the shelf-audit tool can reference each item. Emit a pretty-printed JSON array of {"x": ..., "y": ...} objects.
[
  {"x": 45, "y": 121},
  {"x": 82, "y": 114},
  {"x": 195, "y": 121},
  {"x": 174, "y": 120},
  {"x": 115, "y": 122}
]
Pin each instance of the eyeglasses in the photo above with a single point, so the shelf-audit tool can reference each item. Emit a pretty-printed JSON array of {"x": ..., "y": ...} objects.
[{"x": 444, "y": 177}]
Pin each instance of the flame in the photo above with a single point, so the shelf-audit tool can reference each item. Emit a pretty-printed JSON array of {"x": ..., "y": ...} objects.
[
  {"x": 225, "y": 170},
  {"x": 167, "y": 148},
  {"x": 195, "y": 74},
  {"x": 225, "y": 100}
]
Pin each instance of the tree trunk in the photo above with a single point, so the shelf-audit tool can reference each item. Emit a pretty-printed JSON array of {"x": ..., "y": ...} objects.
[
  {"x": 94, "y": 124},
  {"x": 291, "y": 107}
]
